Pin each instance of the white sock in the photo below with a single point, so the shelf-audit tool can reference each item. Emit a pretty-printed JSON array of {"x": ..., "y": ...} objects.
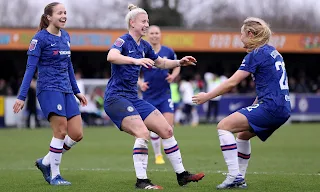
[
  {"x": 46, "y": 159},
  {"x": 140, "y": 158},
  {"x": 56, "y": 146},
  {"x": 68, "y": 143},
  {"x": 156, "y": 143},
  {"x": 244, "y": 152},
  {"x": 229, "y": 150},
  {"x": 172, "y": 150}
]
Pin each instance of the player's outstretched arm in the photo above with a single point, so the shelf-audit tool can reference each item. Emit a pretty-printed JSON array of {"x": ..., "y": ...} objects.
[
  {"x": 169, "y": 64},
  {"x": 223, "y": 88},
  {"x": 115, "y": 57}
]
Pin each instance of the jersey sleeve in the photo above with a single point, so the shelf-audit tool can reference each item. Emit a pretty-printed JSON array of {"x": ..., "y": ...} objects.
[
  {"x": 35, "y": 46},
  {"x": 30, "y": 70},
  {"x": 119, "y": 44},
  {"x": 248, "y": 64},
  {"x": 150, "y": 52},
  {"x": 72, "y": 78},
  {"x": 68, "y": 39}
]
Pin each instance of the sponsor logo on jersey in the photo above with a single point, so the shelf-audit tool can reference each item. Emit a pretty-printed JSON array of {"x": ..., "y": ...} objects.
[{"x": 56, "y": 52}]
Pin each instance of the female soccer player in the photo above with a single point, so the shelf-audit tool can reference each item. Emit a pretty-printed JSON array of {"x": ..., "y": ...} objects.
[
  {"x": 156, "y": 86},
  {"x": 133, "y": 115},
  {"x": 49, "y": 51},
  {"x": 270, "y": 110}
]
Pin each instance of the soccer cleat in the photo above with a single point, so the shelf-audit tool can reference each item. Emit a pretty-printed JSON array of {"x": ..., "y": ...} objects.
[
  {"x": 44, "y": 169},
  {"x": 58, "y": 180},
  {"x": 159, "y": 160},
  {"x": 146, "y": 184},
  {"x": 243, "y": 185},
  {"x": 233, "y": 182},
  {"x": 186, "y": 177}
]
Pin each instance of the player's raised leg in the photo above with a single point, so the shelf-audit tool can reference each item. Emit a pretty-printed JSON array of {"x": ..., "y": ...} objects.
[
  {"x": 157, "y": 123},
  {"x": 75, "y": 133},
  {"x": 75, "y": 130},
  {"x": 156, "y": 140}
]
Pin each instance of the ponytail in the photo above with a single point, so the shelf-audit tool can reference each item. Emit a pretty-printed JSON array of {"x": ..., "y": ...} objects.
[{"x": 44, "y": 22}]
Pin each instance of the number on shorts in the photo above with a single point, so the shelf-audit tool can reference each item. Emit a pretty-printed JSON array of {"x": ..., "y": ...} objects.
[
  {"x": 250, "y": 108},
  {"x": 283, "y": 82},
  {"x": 170, "y": 103}
]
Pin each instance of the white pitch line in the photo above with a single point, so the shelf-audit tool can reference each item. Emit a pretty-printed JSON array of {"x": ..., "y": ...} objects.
[{"x": 160, "y": 170}]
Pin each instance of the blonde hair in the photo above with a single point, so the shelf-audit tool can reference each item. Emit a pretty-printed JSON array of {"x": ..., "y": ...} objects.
[
  {"x": 133, "y": 12},
  {"x": 260, "y": 30}
]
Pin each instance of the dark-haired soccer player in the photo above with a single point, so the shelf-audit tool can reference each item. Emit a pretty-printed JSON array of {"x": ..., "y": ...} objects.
[{"x": 49, "y": 51}]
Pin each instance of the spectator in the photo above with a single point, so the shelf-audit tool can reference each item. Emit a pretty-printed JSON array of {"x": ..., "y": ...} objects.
[{"x": 31, "y": 105}]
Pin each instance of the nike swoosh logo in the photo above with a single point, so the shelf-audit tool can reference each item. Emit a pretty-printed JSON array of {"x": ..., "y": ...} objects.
[
  {"x": 53, "y": 44},
  {"x": 131, "y": 51}
]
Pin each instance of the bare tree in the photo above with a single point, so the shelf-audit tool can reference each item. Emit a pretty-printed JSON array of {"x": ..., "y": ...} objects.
[
  {"x": 194, "y": 14},
  {"x": 16, "y": 13},
  {"x": 283, "y": 15},
  {"x": 4, "y": 13},
  {"x": 108, "y": 14},
  {"x": 164, "y": 15}
]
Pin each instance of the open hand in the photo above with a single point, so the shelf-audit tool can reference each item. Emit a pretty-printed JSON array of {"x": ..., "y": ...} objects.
[
  {"x": 188, "y": 60},
  {"x": 170, "y": 78},
  {"x": 82, "y": 99},
  {"x": 144, "y": 86},
  {"x": 18, "y": 105},
  {"x": 200, "y": 98},
  {"x": 145, "y": 62}
]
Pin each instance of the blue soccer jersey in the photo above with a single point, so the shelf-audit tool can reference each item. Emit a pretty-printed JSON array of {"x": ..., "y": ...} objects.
[
  {"x": 268, "y": 72},
  {"x": 159, "y": 88},
  {"x": 124, "y": 77},
  {"x": 56, "y": 82},
  {"x": 54, "y": 61}
]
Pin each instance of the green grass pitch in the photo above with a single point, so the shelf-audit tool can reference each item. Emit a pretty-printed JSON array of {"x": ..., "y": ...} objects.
[{"x": 102, "y": 161}]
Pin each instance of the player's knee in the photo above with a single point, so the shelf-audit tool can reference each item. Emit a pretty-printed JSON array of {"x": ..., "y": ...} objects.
[
  {"x": 144, "y": 134},
  {"x": 221, "y": 125},
  {"x": 166, "y": 133},
  {"x": 77, "y": 137},
  {"x": 245, "y": 135}
]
